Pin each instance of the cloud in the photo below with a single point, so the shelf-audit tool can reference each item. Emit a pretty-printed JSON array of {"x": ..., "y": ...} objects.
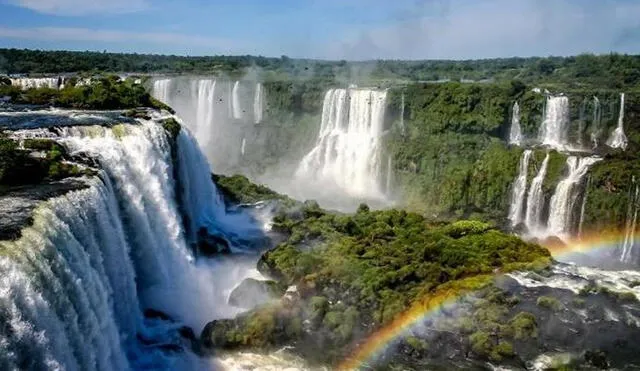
[
  {"x": 219, "y": 45},
  {"x": 81, "y": 7},
  {"x": 459, "y": 29}
]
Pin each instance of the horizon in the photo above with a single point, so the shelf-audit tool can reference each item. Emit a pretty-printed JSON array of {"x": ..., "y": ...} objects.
[{"x": 329, "y": 30}]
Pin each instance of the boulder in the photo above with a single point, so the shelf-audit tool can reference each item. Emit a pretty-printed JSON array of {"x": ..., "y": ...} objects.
[{"x": 252, "y": 293}]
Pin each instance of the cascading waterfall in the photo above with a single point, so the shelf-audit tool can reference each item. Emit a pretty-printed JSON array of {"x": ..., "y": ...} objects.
[
  {"x": 618, "y": 139},
  {"x": 563, "y": 201},
  {"x": 597, "y": 119},
  {"x": 161, "y": 90},
  {"x": 122, "y": 235},
  {"x": 519, "y": 190},
  {"x": 25, "y": 83},
  {"x": 555, "y": 127},
  {"x": 237, "y": 108},
  {"x": 630, "y": 223},
  {"x": 583, "y": 207},
  {"x": 205, "y": 111},
  {"x": 403, "y": 130},
  {"x": 515, "y": 133},
  {"x": 242, "y": 147},
  {"x": 257, "y": 104},
  {"x": 535, "y": 200},
  {"x": 347, "y": 153}
]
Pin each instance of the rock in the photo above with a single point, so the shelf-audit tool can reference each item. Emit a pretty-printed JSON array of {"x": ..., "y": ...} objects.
[
  {"x": 292, "y": 295},
  {"x": 214, "y": 335},
  {"x": 156, "y": 314},
  {"x": 251, "y": 293},
  {"x": 210, "y": 244}
]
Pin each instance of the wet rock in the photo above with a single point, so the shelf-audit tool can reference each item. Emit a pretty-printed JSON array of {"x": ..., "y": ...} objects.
[
  {"x": 210, "y": 244},
  {"x": 252, "y": 293},
  {"x": 156, "y": 314}
]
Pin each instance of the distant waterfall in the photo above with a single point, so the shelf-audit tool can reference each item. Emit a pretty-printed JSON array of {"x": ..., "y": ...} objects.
[
  {"x": 161, "y": 90},
  {"x": 389, "y": 177},
  {"x": 583, "y": 207},
  {"x": 630, "y": 223},
  {"x": 73, "y": 288},
  {"x": 555, "y": 127},
  {"x": 25, "y": 83},
  {"x": 257, "y": 104},
  {"x": 618, "y": 139},
  {"x": 205, "y": 111},
  {"x": 535, "y": 199},
  {"x": 519, "y": 190},
  {"x": 403, "y": 130},
  {"x": 597, "y": 120},
  {"x": 515, "y": 133},
  {"x": 237, "y": 107},
  {"x": 564, "y": 199},
  {"x": 243, "y": 145},
  {"x": 347, "y": 153},
  {"x": 581, "y": 123}
]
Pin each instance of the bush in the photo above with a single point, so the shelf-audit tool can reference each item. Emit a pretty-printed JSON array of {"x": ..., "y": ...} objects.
[
  {"x": 524, "y": 326},
  {"x": 549, "y": 303}
]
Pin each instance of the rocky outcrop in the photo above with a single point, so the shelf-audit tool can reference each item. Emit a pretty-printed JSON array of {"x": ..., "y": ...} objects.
[{"x": 252, "y": 293}]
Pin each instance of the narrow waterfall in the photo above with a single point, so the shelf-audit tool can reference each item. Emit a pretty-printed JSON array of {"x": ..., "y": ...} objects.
[
  {"x": 25, "y": 83},
  {"x": 389, "y": 177},
  {"x": 535, "y": 200},
  {"x": 555, "y": 127},
  {"x": 161, "y": 90},
  {"x": 347, "y": 153},
  {"x": 515, "y": 133},
  {"x": 257, "y": 105},
  {"x": 205, "y": 111},
  {"x": 563, "y": 201},
  {"x": 123, "y": 234},
  {"x": 630, "y": 223},
  {"x": 583, "y": 207},
  {"x": 618, "y": 139},
  {"x": 597, "y": 120},
  {"x": 582, "y": 122},
  {"x": 237, "y": 107},
  {"x": 403, "y": 130},
  {"x": 242, "y": 147},
  {"x": 519, "y": 190}
]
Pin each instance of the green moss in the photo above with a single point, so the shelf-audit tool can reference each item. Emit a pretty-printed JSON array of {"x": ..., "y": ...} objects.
[
  {"x": 238, "y": 189},
  {"x": 172, "y": 127},
  {"x": 549, "y": 303}
]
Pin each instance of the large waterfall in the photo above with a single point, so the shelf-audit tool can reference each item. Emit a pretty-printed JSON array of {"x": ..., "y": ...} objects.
[
  {"x": 73, "y": 287},
  {"x": 519, "y": 190},
  {"x": 535, "y": 199},
  {"x": 555, "y": 127},
  {"x": 235, "y": 102},
  {"x": 566, "y": 195},
  {"x": 515, "y": 133},
  {"x": 347, "y": 153},
  {"x": 618, "y": 139},
  {"x": 39, "y": 82}
]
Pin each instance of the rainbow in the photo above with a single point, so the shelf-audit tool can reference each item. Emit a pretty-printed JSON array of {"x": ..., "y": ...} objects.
[{"x": 375, "y": 345}]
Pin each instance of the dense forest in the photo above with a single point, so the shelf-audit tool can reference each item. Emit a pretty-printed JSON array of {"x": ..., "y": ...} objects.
[{"x": 613, "y": 70}]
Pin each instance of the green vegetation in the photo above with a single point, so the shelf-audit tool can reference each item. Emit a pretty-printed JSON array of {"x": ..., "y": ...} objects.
[
  {"x": 356, "y": 272},
  {"x": 104, "y": 93},
  {"x": 549, "y": 303},
  {"x": 238, "y": 189}
]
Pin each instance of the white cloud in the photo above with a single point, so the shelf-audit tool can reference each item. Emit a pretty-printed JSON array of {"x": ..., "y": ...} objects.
[
  {"x": 81, "y": 7},
  {"x": 219, "y": 45},
  {"x": 462, "y": 29}
]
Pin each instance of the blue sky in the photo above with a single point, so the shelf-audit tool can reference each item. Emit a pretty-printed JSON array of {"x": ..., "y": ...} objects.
[{"x": 327, "y": 29}]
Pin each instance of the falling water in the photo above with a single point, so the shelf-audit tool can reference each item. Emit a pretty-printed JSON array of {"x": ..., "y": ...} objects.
[
  {"x": 630, "y": 224},
  {"x": 565, "y": 196},
  {"x": 597, "y": 120},
  {"x": 205, "y": 111},
  {"x": 257, "y": 104},
  {"x": 403, "y": 130},
  {"x": 583, "y": 207},
  {"x": 519, "y": 190},
  {"x": 618, "y": 139},
  {"x": 347, "y": 153},
  {"x": 581, "y": 123},
  {"x": 161, "y": 90},
  {"x": 41, "y": 82},
  {"x": 515, "y": 134},
  {"x": 535, "y": 199},
  {"x": 389, "y": 175},
  {"x": 237, "y": 108},
  {"x": 555, "y": 127},
  {"x": 242, "y": 147}
]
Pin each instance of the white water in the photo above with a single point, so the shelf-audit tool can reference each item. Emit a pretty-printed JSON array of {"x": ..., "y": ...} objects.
[
  {"x": 583, "y": 207},
  {"x": 618, "y": 139},
  {"x": 258, "y": 104},
  {"x": 72, "y": 289},
  {"x": 237, "y": 107},
  {"x": 597, "y": 119},
  {"x": 555, "y": 127},
  {"x": 535, "y": 200},
  {"x": 563, "y": 201},
  {"x": 389, "y": 177},
  {"x": 403, "y": 130},
  {"x": 161, "y": 90},
  {"x": 515, "y": 133},
  {"x": 41, "y": 82},
  {"x": 519, "y": 190},
  {"x": 242, "y": 147},
  {"x": 203, "y": 127},
  {"x": 347, "y": 154},
  {"x": 630, "y": 224}
]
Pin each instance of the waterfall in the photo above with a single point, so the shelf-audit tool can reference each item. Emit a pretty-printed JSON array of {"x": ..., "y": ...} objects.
[
  {"x": 73, "y": 288},
  {"x": 25, "y": 83},
  {"x": 205, "y": 111},
  {"x": 630, "y": 224},
  {"x": 519, "y": 190},
  {"x": 564, "y": 199},
  {"x": 242, "y": 147},
  {"x": 583, "y": 207},
  {"x": 515, "y": 133},
  {"x": 581, "y": 123},
  {"x": 389, "y": 175},
  {"x": 618, "y": 139},
  {"x": 257, "y": 104},
  {"x": 555, "y": 126},
  {"x": 403, "y": 130},
  {"x": 161, "y": 90},
  {"x": 597, "y": 119},
  {"x": 535, "y": 199},
  {"x": 237, "y": 108},
  {"x": 347, "y": 153}
]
